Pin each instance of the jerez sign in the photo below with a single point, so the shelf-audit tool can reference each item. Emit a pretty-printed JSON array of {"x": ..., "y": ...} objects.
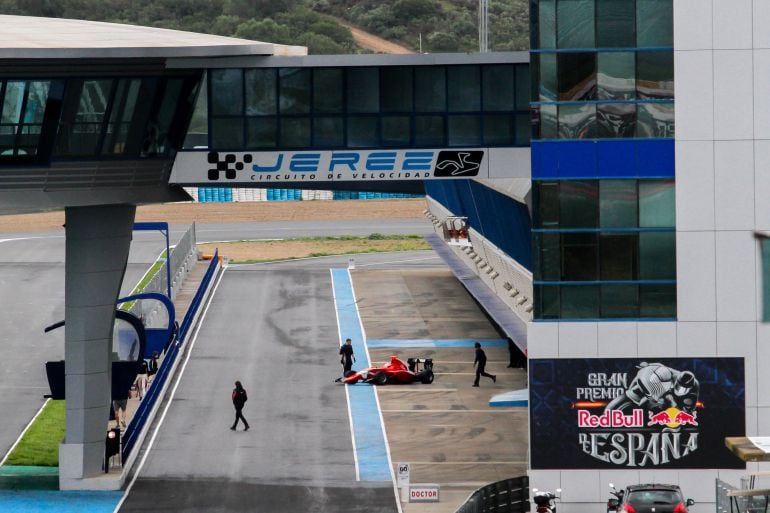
[
  {"x": 223, "y": 168},
  {"x": 633, "y": 413}
]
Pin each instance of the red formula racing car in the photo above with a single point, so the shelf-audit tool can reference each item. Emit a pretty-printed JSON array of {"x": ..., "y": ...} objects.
[{"x": 394, "y": 371}]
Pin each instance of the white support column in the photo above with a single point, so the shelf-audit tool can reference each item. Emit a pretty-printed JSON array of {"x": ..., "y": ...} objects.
[{"x": 98, "y": 241}]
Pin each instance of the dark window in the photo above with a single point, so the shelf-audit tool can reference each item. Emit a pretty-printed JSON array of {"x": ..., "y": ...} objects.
[
  {"x": 121, "y": 116},
  {"x": 227, "y": 133},
  {"x": 579, "y": 204},
  {"x": 618, "y": 256},
  {"x": 618, "y": 204},
  {"x": 363, "y": 132},
  {"x": 464, "y": 88},
  {"x": 655, "y": 75},
  {"x": 547, "y": 23},
  {"x": 430, "y": 89},
  {"x": 396, "y": 89},
  {"x": 327, "y": 91},
  {"x": 498, "y": 130},
  {"x": 294, "y": 90},
  {"x": 549, "y": 258},
  {"x": 548, "y": 306},
  {"x": 328, "y": 132},
  {"x": 655, "y": 120},
  {"x": 616, "y": 76},
  {"x": 522, "y": 88},
  {"x": 615, "y": 120},
  {"x": 615, "y": 24},
  {"x": 657, "y": 256},
  {"x": 580, "y": 256},
  {"x": 261, "y": 132},
  {"x": 657, "y": 301},
  {"x": 396, "y": 131},
  {"x": 580, "y": 302},
  {"x": 577, "y": 76},
  {"x": 83, "y": 118},
  {"x": 548, "y": 124},
  {"x": 546, "y": 196},
  {"x": 620, "y": 301},
  {"x": 654, "y": 23},
  {"x": 198, "y": 131},
  {"x": 575, "y": 24},
  {"x": 295, "y": 132},
  {"x": 464, "y": 131},
  {"x": 21, "y": 116},
  {"x": 549, "y": 86},
  {"x": 523, "y": 129},
  {"x": 157, "y": 139},
  {"x": 577, "y": 121},
  {"x": 498, "y": 87},
  {"x": 656, "y": 204},
  {"x": 363, "y": 90},
  {"x": 261, "y": 91},
  {"x": 227, "y": 92},
  {"x": 428, "y": 131}
]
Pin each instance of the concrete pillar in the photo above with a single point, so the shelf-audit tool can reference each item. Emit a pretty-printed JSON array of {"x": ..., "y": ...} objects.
[{"x": 98, "y": 241}]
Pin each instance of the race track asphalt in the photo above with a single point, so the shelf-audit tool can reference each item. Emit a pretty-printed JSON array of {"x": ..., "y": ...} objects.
[{"x": 276, "y": 331}]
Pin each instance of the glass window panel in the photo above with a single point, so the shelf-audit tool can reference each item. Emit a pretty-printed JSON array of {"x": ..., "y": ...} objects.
[
  {"x": 363, "y": 90},
  {"x": 396, "y": 89},
  {"x": 464, "y": 88},
  {"x": 522, "y": 88},
  {"x": 615, "y": 24},
  {"x": 580, "y": 302},
  {"x": 616, "y": 76},
  {"x": 579, "y": 204},
  {"x": 548, "y": 122},
  {"x": 82, "y": 139},
  {"x": 328, "y": 132},
  {"x": 620, "y": 301},
  {"x": 657, "y": 256},
  {"x": 28, "y": 140},
  {"x": 655, "y": 75},
  {"x": 227, "y": 92},
  {"x": 577, "y": 76},
  {"x": 464, "y": 130},
  {"x": 295, "y": 132},
  {"x": 261, "y": 86},
  {"x": 363, "y": 132},
  {"x": 14, "y": 97},
  {"x": 577, "y": 121},
  {"x": 498, "y": 87},
  {"x": 655, "y": 120},
  {"x": 396, "y": 131},
  {"x": 94, "y": 97},
  {"x": 261, "y": 132},
  {"x": 198, "y": 132},
  {"x": 428, "y": 131},
  {"x": 36, "y": 100},
  {"x": 430, "y": 89},
  {"x": 226, "y": 134},
  {"x": 547, "y": 23},
  {"x": 294, "y": 90},
  {"x": 546, "y": 204},
  {"x": 327, "y": 91},
  {"x": 615, "y": 120},
  {"x": 618, "y": 256},
  {"x": 549, "y": 86},
  {"x": 618, "y": 204},
  {"x": 656, "y": 204},
  {"x": 523, "y": 129},
  {"x": 549, "y": 257},
  {"x": 156, "y": 139},
  {"x": 654, "y": 23},
  {"x": 498, "y": 130},
  {"x": 8, "y": 139},
  {"x": 580, "y": 257},
  {"x": 548, "y": 303},
  {"x": 658, "y": 301},
  {"x": 575, "y": 24}
]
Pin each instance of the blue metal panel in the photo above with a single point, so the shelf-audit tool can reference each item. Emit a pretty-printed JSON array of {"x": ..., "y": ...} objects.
[
  {"x": 616, "y": 157},
  {"x": 655, "y": 157},
  {"x": 577, "y": 159},
  {"x": 549, "y": 159}
]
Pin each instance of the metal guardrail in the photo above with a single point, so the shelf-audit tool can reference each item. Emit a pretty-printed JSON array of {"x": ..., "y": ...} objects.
[
  {"x": 722, "y": 499},
  {"x": 507, "y": 496},
  {"x": 134, "y": 428}
]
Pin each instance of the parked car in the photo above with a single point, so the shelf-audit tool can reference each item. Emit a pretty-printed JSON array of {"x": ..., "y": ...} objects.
[
  {"x": 395, "y": 371},
  {"x": 648, "y": 498}
]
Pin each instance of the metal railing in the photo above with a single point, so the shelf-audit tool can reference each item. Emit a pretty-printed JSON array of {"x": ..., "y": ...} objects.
[{"x": 507, "y": 496}]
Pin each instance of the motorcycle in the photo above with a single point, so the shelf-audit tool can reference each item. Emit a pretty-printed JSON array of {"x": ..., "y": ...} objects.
[
  {"x": 544, "y": 500},
  {"x": 614, "y": 502}
]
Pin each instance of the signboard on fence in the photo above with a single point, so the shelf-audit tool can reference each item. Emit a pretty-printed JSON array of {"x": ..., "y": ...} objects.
[
  {"x": 424, "y": 493},
  {"x": 628, "y": 413},
  {"x": 402, "y": 475}
]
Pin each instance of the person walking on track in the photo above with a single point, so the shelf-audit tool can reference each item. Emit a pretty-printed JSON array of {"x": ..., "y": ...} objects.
[
  {"x": 346, "y": 357},
  {"x": 239, "y": 399},
  {"x": 481, "y": 361}
]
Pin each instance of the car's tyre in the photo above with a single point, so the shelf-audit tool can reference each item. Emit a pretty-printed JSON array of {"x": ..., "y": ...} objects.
[
  {"x": 380, "y": 378},
  {"x": 426, "y": 377},
  {"x": 349, "y": 373}
]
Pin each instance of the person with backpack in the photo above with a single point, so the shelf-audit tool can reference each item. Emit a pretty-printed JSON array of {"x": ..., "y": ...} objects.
[{"x": 239, "y": 400}]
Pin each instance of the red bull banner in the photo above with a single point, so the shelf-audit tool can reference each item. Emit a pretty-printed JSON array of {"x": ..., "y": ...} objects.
[{"x": 635, "y": 413}]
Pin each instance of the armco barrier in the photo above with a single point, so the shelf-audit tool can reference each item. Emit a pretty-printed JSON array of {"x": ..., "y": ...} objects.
[
  {"x": 507, "y": 496},
  {"x": 140, "y": 418}
]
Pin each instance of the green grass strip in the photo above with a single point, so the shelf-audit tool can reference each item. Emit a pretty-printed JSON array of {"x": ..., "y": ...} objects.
[{"x": 40, "y": 445}]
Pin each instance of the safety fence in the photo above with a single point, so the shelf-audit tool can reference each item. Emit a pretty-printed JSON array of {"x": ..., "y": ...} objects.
[
  {"x": 145, "y": 409},
  {"x": 226, "y": 195},
  {"x": 506, "y": 496}
]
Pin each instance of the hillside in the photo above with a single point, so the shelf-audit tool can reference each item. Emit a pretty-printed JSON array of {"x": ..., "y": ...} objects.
[{"x": 444, "y": 25}]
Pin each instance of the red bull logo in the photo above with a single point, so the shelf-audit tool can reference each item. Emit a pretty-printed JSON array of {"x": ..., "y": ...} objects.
[
  {"x": 611, "y": 418},
  {"x": 672, "y": 418}
]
